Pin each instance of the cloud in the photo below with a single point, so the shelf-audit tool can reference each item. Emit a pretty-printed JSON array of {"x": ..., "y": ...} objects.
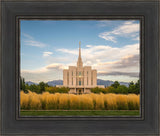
[
  {"x": 136, "y": 38},
  {"x": 30, "y": 41},
  {"x": 117, "y": 73},
  {"x": 107, "y": 58},
  {"x": 47, "y": 73},
  {"x": 88, "y": 46},
  {"x": 75, "y": 52},
  {"x": 127, "y": 29},
  {"x": 55, "y": 66},
  {"x": 47, "y": 53},
  {"x": 103, "y": 52},
  {"x": 128, "y": 61},
  {"x": 107, "y": 36},
  {"x": 109, "y": 61},
  {"x": 27, "y": 36}
]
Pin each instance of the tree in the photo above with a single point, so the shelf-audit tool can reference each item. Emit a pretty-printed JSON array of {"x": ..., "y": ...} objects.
[
  {"x": 52, "y": 89},
  {"x": 97, "y": 90},
  {"x": 111, "y": 89},
  {"x": 22, "y": 85},
  {"x": 115, "y": 84},
  {"x": 137, "y": 87},
  {"x": 42, "y": 86},
  {"x": 131, "y": 83},
  {"x": 134, "y": 88},
  {"x": 34, "y": 88},
  {"x": 122, "y": 89}
]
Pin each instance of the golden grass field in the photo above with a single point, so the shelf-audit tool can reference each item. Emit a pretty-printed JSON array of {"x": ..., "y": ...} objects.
[{"x": 57, "y": 101}]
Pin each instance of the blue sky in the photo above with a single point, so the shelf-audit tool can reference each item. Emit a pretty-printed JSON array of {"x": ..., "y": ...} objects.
[{"x": 110, "y": 46}]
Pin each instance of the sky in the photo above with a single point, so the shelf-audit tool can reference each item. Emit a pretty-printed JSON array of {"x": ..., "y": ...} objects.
[{"x": 110, "y": 46}]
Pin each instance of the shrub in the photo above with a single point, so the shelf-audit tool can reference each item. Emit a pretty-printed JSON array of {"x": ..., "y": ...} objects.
[
  {"x": 64, "y": 101},
  {"x": 24, "y": 101},
  {"x": 57, "y": 101},
  {"x": 57, "y": 89},
  {"x": 74, "y": 102}
]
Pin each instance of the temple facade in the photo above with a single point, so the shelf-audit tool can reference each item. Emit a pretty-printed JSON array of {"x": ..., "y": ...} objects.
[{"x": 80, "y": 79}]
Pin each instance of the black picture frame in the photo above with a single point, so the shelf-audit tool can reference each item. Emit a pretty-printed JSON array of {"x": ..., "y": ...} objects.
[{"x": 146, "y": 11}]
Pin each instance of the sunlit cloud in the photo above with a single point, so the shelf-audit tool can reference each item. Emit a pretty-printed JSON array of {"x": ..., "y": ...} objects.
[
  {"x": 127, "y": 29},
  {"x": 118, "y": 60},
  {"x": 109, "y": 61},
  {"x": 47, "y": 53}
]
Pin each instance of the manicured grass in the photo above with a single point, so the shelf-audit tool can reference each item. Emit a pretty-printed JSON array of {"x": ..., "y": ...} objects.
[{"x": 81, "y": 113}]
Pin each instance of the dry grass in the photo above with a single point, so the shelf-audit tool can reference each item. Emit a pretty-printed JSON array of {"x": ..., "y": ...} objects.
[{"x": 47, "y": 101}]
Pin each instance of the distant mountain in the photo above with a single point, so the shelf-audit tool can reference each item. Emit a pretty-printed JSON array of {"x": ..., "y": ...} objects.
[
  {"x": 55, "y": 82},
  {"x": 99, "y": 82},
  {"x": 104, "y": 82},
  {"x": 31, "y": 83},
  {"x": 124, "y": 83},
  {"x": 108, "y": 82}
]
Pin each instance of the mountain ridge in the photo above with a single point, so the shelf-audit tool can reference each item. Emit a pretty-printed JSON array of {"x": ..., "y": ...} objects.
[{"x": 99, "y": 82}]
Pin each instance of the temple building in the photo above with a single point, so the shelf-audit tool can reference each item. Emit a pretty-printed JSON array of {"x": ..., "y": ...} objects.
[{"x": 80, "y": 79}]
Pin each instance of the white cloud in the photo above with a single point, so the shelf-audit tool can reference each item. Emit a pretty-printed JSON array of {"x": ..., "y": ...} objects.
[
  {"x": 47, "y": 53},
  {"x": 27, "y": 36},
  {"x": 106, "y": 59},
  {"x": 50, "y": 72},
  {"x": 107, "y": 36},
  {"x": 30, "y": 41},
  {"x": 68, "y": 51},
  {"x": 88, "y": 46},
  {"x": 127, "y": 29}
]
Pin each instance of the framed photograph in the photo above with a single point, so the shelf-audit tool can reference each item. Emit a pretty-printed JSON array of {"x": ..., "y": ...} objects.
[
  {"x": 89, "y": 80},
  {"x": 69, "y": 67}
]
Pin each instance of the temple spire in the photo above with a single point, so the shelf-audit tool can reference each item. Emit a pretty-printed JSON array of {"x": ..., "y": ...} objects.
[{"x": 79, "y": 62}]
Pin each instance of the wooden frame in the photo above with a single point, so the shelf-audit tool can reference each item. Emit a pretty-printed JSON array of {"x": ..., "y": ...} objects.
[{"x": 147, "y": 12}]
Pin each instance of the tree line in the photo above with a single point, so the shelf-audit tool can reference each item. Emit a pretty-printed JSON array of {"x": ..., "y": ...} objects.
[
  {"x": 119, "y": 89},
  {"x": 114, "y": 88},
  {"x": 41, "y": 87}
]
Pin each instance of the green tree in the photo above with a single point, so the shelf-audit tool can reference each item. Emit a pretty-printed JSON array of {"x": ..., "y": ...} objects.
[
  {"x": 34, "y": 88},
  {"x": 52, "y": 89},
  {"x": 42, "y": 86},
  {"x": 122, "y": 89},
  {"x": 97, "y": 90},
  {"x": 111, "y": 89},
  {"x": 131, "y": 83},
  {"x": 134, "y": 88},
  {"x": 137, "y": 87},
  {"x": 115, "y": 84},
  {"x": 22, "y": 85}
]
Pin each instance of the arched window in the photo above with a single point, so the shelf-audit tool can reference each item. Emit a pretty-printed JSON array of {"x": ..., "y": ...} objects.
[{"x": 79, "y": 82}]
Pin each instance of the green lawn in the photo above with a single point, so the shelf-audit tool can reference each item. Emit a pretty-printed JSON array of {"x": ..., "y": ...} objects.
[{"x": 82, "y": 113}]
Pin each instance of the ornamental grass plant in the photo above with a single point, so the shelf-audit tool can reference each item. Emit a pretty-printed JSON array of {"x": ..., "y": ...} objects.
[{"x": 65, "y": 101}]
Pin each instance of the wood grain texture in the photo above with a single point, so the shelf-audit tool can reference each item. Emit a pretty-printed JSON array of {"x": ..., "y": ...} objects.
[
  {"x": 113, "y": 126},
  {"x": 0, "y": 66}
]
